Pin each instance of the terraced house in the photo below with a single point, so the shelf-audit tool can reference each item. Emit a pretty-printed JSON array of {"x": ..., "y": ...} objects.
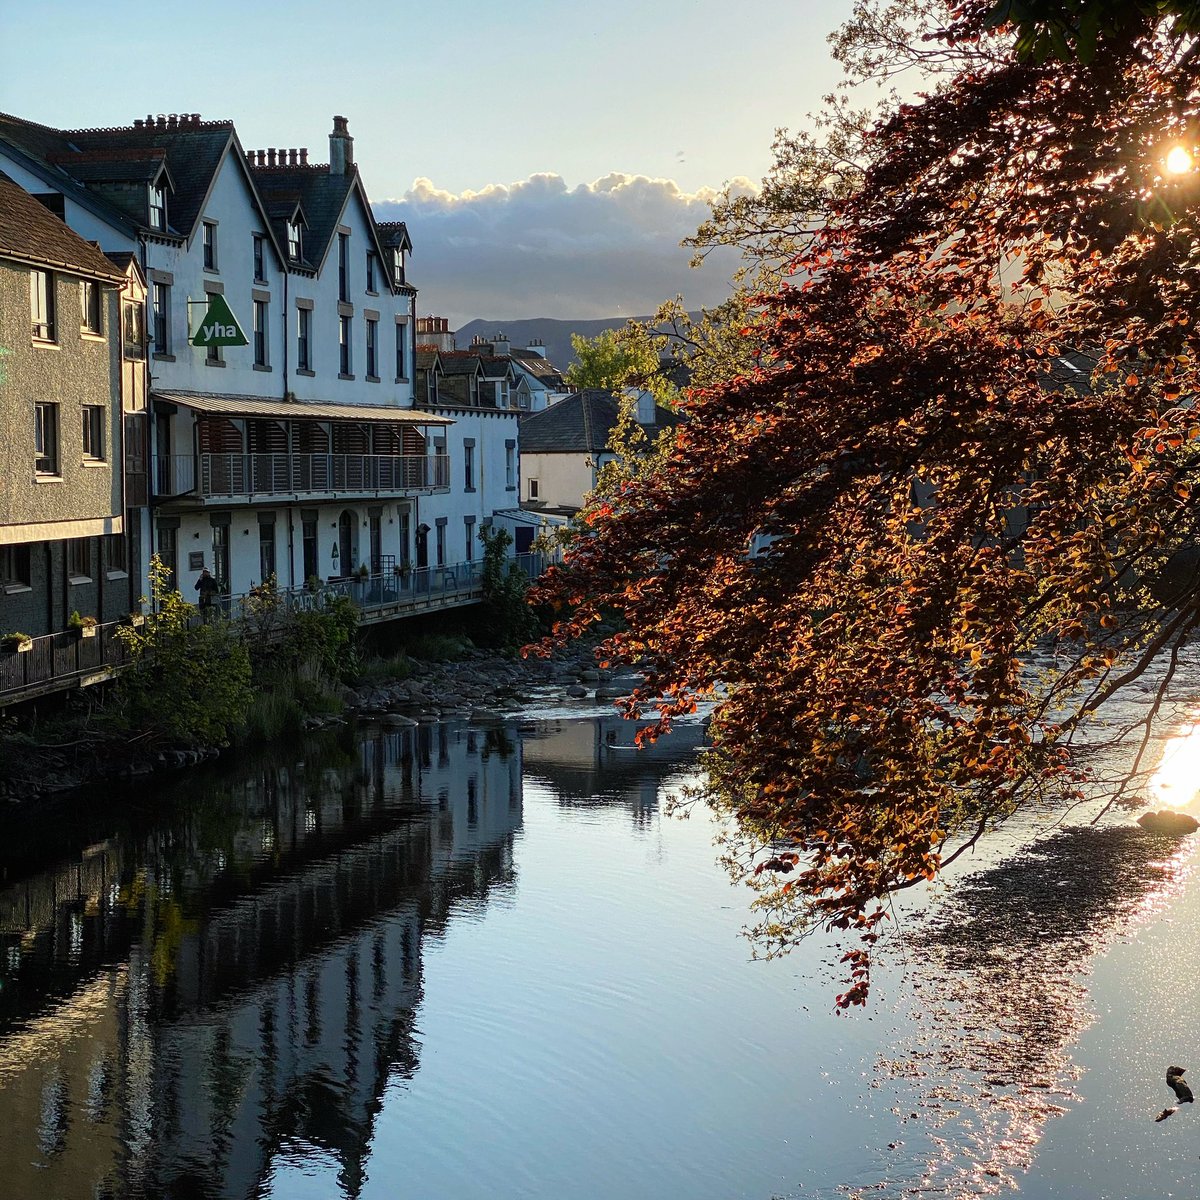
[
  {"x": 63, "y": 519},
  {"x": 286, "y": 438}
]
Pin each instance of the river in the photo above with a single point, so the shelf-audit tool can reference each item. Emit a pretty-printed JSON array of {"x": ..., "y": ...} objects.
[{"x": 456, "y": 962}]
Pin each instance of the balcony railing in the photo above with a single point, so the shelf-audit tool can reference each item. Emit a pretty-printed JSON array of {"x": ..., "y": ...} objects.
[
  {"x": 288, "y": 474},
  {"x": 66, "y": 660}
]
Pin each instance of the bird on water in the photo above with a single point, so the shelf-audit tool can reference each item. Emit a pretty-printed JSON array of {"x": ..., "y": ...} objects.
[{"x": 1183, "y": 1093}]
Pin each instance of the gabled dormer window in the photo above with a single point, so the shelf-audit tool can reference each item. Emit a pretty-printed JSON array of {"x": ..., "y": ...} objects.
[
  {"x": 158, "y": 206},
  {"x": 295, "y": 246},
  {"x": 398, "y": 264}
]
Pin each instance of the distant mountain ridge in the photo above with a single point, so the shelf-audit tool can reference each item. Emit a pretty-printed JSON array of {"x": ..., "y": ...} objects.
[{"x": 554, "y": 333}]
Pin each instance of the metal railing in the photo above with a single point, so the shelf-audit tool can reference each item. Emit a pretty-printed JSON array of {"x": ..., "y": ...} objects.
[
  {"x": 61, "y": 660},
  {"x": 288, "y": 474}
]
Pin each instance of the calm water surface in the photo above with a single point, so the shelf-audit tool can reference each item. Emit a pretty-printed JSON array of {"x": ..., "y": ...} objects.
[{"x": 465, "y": 962}]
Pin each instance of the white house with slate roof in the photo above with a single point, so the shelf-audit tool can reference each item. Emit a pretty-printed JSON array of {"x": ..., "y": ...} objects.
[{"x": 303, "y": 452}]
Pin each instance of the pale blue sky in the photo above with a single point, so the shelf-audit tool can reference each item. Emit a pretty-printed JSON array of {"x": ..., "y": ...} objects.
[{"x": 465, "y": 94}]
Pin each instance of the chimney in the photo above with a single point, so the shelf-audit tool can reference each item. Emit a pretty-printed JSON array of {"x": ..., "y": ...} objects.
[
  {"x": 271, "y": 156},
  {"x": 195, "y": 118},
  {"x": 292, "y": 157},
  {"x": 501, "y": 346},
  {"x": 341, "y": 147},
  {"x": 139, "y": 123},
  {"x": 249, "y": 158},
  {"x": 304, "y": 156},
  {"x": 160, "y": 122},
  {"x": 538, "y": 347},
  {"x": 173, "y": 121}
]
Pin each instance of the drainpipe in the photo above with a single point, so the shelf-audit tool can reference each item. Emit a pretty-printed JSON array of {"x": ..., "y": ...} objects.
[{"x": 151, "y": 448}]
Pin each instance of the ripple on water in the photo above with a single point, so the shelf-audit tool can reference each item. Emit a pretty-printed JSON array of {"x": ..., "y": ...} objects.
[{"x": 999, "y": 997}]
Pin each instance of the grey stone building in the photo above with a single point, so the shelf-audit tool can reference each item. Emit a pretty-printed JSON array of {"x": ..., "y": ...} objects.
[{"x": 62, "y": 525}]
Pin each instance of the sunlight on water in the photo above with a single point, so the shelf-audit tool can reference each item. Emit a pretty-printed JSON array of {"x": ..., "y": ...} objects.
[{"x": 1176, "y": 779}]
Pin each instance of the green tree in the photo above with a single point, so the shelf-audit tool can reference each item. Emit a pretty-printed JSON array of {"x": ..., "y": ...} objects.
[
  {"x": 611, "y": 360},
  {"x": 510, "y": 620},
  {"x": 187, "y": 684},
  {"x": 960, "y": 434}
]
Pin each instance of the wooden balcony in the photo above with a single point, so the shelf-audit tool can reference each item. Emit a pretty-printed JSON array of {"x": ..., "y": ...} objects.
[{"x": 243, "y": 476}]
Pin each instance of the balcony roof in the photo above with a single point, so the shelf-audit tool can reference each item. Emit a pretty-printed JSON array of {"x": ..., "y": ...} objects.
[{"x": 258, "y": 406}]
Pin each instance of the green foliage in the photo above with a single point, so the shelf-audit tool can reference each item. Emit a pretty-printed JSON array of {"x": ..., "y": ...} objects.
[
  {"x": 187, "y": 684},
  {"x": 438, "y": 647},
  {"x": 611, "y": 360},
  {"x": 384, "y": 669},
  {"x": 510, "y": 620}
]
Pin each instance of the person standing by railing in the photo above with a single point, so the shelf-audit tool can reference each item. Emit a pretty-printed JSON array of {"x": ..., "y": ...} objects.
[{"x": 206, "y": 585}]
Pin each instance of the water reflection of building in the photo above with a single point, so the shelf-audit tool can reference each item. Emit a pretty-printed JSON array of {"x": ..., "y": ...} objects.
[
  {"x": 595, "y": 762},
  {"x": 240, "y": 976}
]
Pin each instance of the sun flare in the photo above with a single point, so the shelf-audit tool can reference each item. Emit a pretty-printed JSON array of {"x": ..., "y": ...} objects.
[
  {"x": 1177, "y": 777},
  {"x": 1179, "y": 161}
]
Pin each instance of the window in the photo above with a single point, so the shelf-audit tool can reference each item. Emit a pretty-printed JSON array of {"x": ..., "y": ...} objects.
[
  {"x": 441, "y": 545},
  {"x": 266, "y": 551},
  {"x": 89, "y": 307},
  {"x": 470, "y": 539},
  {"x": 534, "y": 489},
  {"x": 115, "y": 554},
  {"x": 220, "y": 545},
  {"x": 398, "y": 263},
  {"x": 304, "y": 339},
  {"x": 93, "y": 431},
  {"x": 160, "y": 316},
  {"x": 295, "y": 245},
  {"x": 158, "y": 207},
  {"x": 343, "y": 266},
  {"x": 260, "y": 333},
  {"x": 168, "y": 553},
  {"x": 41, "y": 303},
  {"x": 376, "y": 532},
  {"x": 79, "y": 560},
  {"x": 15, "y": 568},
  {"x": 260, "y": 268},
  {"x": 401, "y": 351},
  {"x": 132, "y": 331},
  {"x": 311, "y": 568},
  {"x": 46, "y": 439},
  {"x": 344, "y": 361},
  {"x": 510, "y": 467},
  {"x": 372, "y": 358},
  {"x": 213, "y": 354},
  {"x": 469, "y": 465},
  {"x": 371, "y": 271},
  {"x": 210, "y": 245}
]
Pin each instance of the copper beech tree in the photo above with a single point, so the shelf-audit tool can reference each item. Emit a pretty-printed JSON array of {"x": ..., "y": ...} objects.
[{"x": 967, "y": 435}]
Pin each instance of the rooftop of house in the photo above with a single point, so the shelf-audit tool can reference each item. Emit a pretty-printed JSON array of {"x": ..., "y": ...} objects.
[
  {"x": 31, "y": 233},
  {"x": 581, "y": 423}
]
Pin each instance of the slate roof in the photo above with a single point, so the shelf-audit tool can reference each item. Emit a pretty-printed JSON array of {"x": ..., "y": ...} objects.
[
  {"x": 540, "y": 368},
  {"x": 192, "y": 149},
  {"x": 30, "y": 232},
  {"x": 460, "y": 362},
  {"x": 322, "y": 197},
  {"x": 581, "y": 423}
]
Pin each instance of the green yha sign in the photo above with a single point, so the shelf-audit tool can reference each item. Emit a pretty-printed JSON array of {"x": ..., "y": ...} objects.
[{"x": 219, "y": 327}]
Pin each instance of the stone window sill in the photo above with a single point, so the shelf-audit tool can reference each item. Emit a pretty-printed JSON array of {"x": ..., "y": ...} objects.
[{"x": 306, "y": 372}]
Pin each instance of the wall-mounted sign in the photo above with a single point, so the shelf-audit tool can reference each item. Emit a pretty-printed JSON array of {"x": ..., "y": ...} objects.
[{"x": 218, "y": 326}]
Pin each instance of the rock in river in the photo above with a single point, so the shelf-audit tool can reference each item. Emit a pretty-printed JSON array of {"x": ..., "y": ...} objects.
[{"x": 1167, "y": 821}]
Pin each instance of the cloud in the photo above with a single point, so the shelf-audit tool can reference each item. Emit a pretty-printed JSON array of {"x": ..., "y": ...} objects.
[{"x": 538, "y": 248}]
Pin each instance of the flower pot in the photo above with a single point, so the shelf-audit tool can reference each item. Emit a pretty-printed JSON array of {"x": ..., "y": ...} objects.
[{"x": 12, "y": 646}]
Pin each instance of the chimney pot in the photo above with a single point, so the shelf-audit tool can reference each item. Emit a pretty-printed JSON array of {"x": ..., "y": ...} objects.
[
  {"x": 304, "y": 156},
  {"x": 173, "y": 121},
  {"x": 292, "y": 157},
  {"x": 270, "y": 156},
  {"x": 195, "y": 118},
  {"x": 138, "y": 123},
  {"x": 160, "y": 122}
]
